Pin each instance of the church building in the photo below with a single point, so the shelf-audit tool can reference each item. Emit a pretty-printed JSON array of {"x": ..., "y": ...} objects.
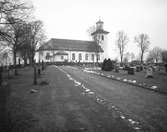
[{"x": 65, "y": 50}]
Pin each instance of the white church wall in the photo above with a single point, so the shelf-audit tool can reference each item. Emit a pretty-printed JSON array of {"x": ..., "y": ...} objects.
[
  {"x": 105, "y": 47},
  {"x": 83, "y": 54},
  {"x": 60, "y": 58},
  {"x": 42, "y": 56}
]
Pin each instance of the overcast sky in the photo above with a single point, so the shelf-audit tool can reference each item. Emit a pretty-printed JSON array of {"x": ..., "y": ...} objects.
[{"x": 70, "y": 19}]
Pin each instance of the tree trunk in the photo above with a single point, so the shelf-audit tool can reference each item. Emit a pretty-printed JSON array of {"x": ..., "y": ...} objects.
[
  {"x": 35, "y": 75},
  {"x": 142, "y": 58},
  {"x": 25, "y": 61},
  {"x": 14, "y": 61},
  {"x": 121, "y": 60},
  {"x": 97, "y": 59},
  {"x": 31, "y": 60}
]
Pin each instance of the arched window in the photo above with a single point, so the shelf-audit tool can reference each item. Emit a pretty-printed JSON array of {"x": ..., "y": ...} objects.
[
  {"x": 80, "y": 56},
  {"x": 93, "y": 57},
  {"x": 48, "y": 56},
  {"x": 102, "y": 37},
  {"x": 86, "y": 56},
  {"x": 98, "y": 57},
  {"x": 73, "y": 56}
]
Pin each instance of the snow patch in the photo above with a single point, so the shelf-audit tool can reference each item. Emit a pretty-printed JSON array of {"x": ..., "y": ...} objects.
[
  {"x": 122, "y": 117},
  {"x": 87, "y": 90},
  {"x": 125, "y": 80},
  {"x": 154, "y": 87},
  {"x": 134, "y": 81},
  {"x": 136, "y": 128}
]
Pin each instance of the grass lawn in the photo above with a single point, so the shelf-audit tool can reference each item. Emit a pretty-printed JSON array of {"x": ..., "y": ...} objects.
[
  {"x": 58, "y": 106},
  {"x": 141, "y": 104},
  {"x": 159, "y": 78}
]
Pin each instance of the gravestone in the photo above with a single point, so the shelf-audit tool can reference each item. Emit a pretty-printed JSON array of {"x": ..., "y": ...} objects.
[
  {"x": 116, "y": 69},
  {"x": 131, "y": 71},
  {"x": 165, "y": 67},
  {"x": 137, "y": 69},
  {"x": 149, "y": 72}
]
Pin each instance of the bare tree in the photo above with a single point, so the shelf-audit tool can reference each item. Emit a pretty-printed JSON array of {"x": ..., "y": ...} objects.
[
  {"x": 12, "y": 34},
  {"x": 143, "y": 44},
  {"x": 132, "y": 56},
  {"x": 12, "y": 16},
  {"x": 33, "y": 37},
  {"x": 121, "y": 43},
  {"x": 90, "y": 30},
  {"x": 24, "y": 48},
  {"x": 13, "y": 8},
  {"x": 12, "y": 12},
  {"x": 155, "y": 54},
  {"x": 37, "y": 36},
  {"x": 127, "y": 57}
]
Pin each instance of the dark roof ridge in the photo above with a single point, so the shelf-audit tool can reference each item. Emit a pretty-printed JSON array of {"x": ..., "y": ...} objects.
[{"x": 71, "y": 40}]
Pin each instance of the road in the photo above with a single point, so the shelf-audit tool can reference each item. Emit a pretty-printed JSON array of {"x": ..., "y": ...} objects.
[
  {"x": 75, "y": 101},
  {"x": 147, "y": 107}
]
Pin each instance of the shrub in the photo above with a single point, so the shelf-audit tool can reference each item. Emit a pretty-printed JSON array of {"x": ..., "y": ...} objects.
[{"x": 107, "y": 65}]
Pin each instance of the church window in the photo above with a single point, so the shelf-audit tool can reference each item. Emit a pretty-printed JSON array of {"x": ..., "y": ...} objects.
[
  {"x": 80, "y": 56},
  {"x": 102, "y": 37},
  {"x": 47, "y": 56},
  {"x": 86, "y": 56},
  {"x": 92, "y": 57},
  {"x": 73, "y": 56},
  {"x": 98, "y": 57}
]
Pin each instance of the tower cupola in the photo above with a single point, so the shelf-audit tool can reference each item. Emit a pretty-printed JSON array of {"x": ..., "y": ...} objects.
[{"x": 99, "y": 25}]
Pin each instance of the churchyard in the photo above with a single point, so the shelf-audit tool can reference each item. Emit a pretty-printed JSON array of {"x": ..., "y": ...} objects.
[
  {"x": 156, "y": 79},
  {"x": 54, "y": 84},
  {"x": 69, "y": 89}
]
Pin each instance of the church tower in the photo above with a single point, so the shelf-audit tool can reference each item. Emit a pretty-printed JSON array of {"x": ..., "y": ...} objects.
[{"x": 100, "y": 36}]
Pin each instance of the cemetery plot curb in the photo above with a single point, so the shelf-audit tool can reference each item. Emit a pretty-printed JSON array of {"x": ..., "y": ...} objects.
[{"x": 127, "y": 81}]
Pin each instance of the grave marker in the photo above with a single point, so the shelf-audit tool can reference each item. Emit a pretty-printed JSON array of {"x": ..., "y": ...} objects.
[{"x": 149, "y": 72}]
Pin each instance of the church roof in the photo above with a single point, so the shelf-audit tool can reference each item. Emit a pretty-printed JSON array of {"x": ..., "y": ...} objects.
[
  {"x": 61, "y": 53},
  {"x": 71, "y": 45},
  {"x": 100, "y": 31}
]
